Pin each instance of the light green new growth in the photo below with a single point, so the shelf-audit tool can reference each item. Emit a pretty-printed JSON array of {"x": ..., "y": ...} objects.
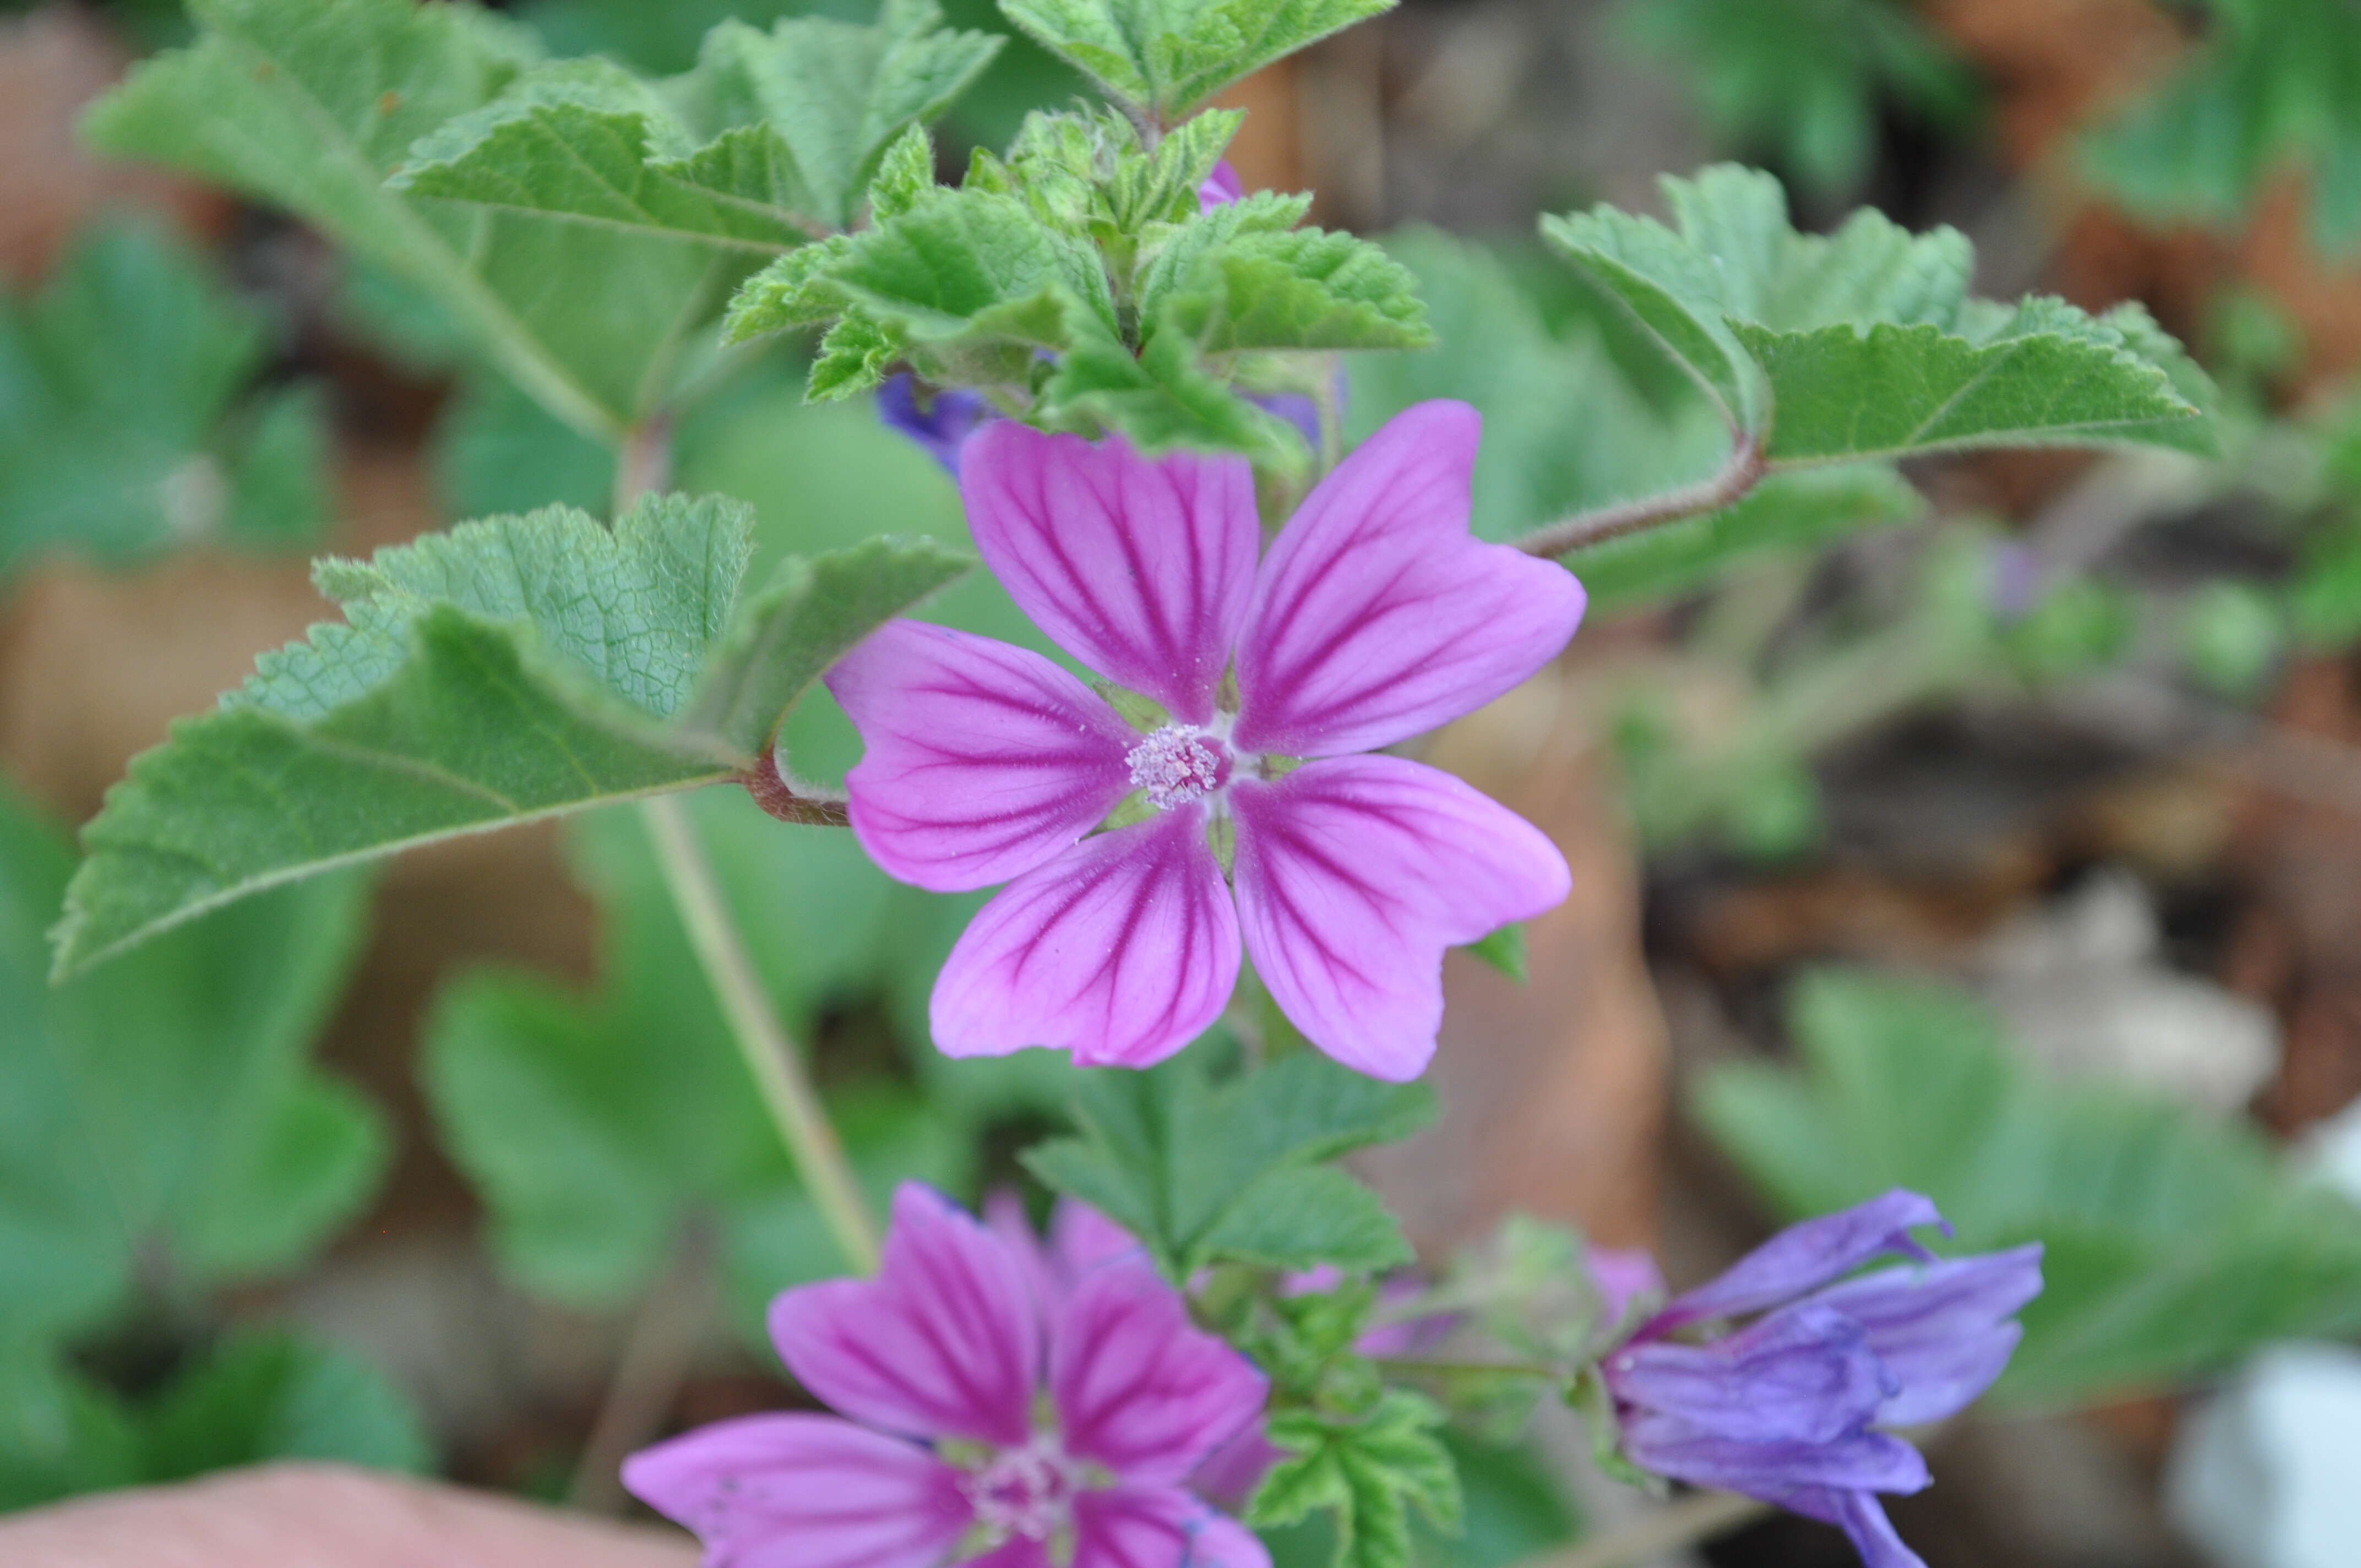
[
  {"x": 508, "y": 670},
  {"x": 1864, "y": 344},
  {"x": 1163, "y": 57}
]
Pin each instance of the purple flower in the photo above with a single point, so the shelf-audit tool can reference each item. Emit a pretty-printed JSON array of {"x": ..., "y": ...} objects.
[
  {"x": 1221, "y": 188},
  {"x": 1786, "y": 1407},
  {"x": 984, "y": 1430},
  {"x": 1375, "y": 616},
  {"x": 941, "y": 426}
]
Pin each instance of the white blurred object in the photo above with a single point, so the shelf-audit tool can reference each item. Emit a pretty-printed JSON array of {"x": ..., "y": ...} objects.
[
  {"x": 2332, "y": 1153},
  {"x": 2084, "y": 995},
  {"x": 2268, "y": 1472}
]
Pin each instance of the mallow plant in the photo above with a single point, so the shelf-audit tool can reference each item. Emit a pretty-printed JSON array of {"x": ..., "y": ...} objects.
[{"x": 1227, "y": 883}]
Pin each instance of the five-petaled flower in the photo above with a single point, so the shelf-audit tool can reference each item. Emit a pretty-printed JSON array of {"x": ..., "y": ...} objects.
[
  {"x": 1786, "y": 1408},
  {"x": 1374, "y": 617},
  {"x": 990, "y": 1425}
]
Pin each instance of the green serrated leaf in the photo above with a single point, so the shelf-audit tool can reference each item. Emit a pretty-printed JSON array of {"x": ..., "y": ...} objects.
[
  {"x": 1307, "y": 289},
  {"x": 1186, "y": 1167},
  {"x": 126, "y": 423},
  {"x": 812, "y": 613},
  {"x": 1161, "y": 399},
  {"x": 1863, "y": 344},
  {"x": 510, "y": 670},
  {"x": 311, "y": 104},
  {"x": 1168, "y": 55},
  {"x": 168, "y": 1111},
  {"x": 2175, "y": 1244},
  {"x": 1367, "y": 1472},
  {"x": 905, "y": 173}
]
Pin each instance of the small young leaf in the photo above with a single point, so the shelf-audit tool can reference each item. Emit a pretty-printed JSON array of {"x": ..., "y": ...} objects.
[
  {"x": 1504, "y": 950},
  {"x": 1306, "y": 288},
  {"x": 1168, "y": 55},
  {"x": 1368, "y": 1471},
  {"x": 905, "y": 173},
  {"x": 1200, "y": 1173}
]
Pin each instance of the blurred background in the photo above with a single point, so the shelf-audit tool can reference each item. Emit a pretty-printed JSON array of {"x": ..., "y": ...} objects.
[{"x": 2010, "y": 851}]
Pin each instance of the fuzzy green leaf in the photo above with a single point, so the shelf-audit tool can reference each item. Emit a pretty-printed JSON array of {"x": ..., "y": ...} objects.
[
  {"x": 1864, "y": 344},
  {"x": 2177, "y": 1245},
  {"x": 1200, "y": 1173},
  {"x": 1168, "y": 56},
  {"x": 1367, "y": 1472},
  {"x": 771, "y": 138},
  {"x": 1306, "y": 288},
  {"x": 311, "y": 104},
  {"x": 167, "y": 1110},
  {"x": 510, "y": 670},
  {"x": 126, "y": 424}
]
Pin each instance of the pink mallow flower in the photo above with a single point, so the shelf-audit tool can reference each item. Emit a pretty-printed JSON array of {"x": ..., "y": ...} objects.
[
  {"x": 988, "y": 1427},
  {"x": 1373, "y": 618}
]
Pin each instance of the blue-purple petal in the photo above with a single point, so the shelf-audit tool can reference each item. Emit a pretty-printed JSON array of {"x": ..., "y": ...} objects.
[
  {"x": 1863, "y": 1462},
  {"x": 1803, "y": 1257},
  {"x": 1803, "y": 1374},
  {"x": 1944, "y": 1330},
  {"x": 940, "y": 424}
]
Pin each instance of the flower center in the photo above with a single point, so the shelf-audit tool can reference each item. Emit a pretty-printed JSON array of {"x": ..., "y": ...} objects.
[
  {"x": 1177, "y": 765},
  {"x": 1023, "y": 1491}
]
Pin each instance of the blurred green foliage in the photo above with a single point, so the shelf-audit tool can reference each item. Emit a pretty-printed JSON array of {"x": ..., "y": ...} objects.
[{"x": 2177, "y": 1242}]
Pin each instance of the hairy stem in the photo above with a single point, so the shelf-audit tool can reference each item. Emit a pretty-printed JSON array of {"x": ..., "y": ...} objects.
[
  {"x": 773, "y": 1060},
  {"x": 1661, "y": 1533},
  {"x": 1745, "y": 469},
  {"x": 767, "y": 782}
]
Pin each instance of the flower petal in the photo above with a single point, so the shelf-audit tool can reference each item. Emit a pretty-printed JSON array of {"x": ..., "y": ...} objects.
[
  {"x": 1944, "y": 1330},
  {"x": 1803, "y": 1258},
  {"x": 1137, "y": 1388},
  {"x": 803, "y": 1491},
  {"x": 980, "y": 760},
  {"x": 1355, "y": 874},
  {"x": 1140, "y": 569},
  {"x": 1868, "y": 1461},
  {"x": 1157, "y": 1527},
  {"x": 944, "y": 1342},
  {"x": 1123, "y": 950},
  {"x": 1081, "y": 1240},
  {"x": 1805, "y": 1374},
  {"x": 1375, "y": 615},
  {"x": 1862, "y": 1518}
]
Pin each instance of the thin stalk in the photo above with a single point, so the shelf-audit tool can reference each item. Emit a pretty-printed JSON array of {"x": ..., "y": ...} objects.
[
  {"x": 1417, "y": 1366},
  {"x": 648, "y": 1374},
  {"x": 1745, "y": 469},
  {"x": 644, "y": 464},
  {"x": 1671, "y": 1529},
  {"x": 773, "y": 1060}
]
